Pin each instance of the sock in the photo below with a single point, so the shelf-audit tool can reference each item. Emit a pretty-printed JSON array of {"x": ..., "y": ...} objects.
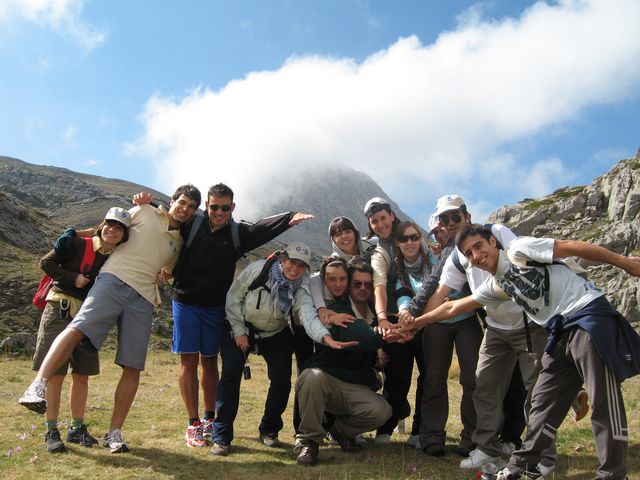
[
  {"x": 51, "y": 424},
  {"x": 209, "y": 415},
  {"x": 77, "y": 422},
  {"x": 194, "y": 421}
]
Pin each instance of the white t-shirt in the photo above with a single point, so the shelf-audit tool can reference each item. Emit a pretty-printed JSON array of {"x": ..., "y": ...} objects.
[
  {"x": 567, "y": 292},
  {"x": 506, "y": 315}
]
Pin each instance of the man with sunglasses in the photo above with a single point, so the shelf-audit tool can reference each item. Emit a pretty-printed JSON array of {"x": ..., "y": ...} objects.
[
  {"x": 509, "y": 356},
  {"x": 202, "y": 277},
  {"x": 343, "y": 382}
]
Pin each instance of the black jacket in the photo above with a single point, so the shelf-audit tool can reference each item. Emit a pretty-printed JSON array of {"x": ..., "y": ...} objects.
[{"x": 205, "y": 270}]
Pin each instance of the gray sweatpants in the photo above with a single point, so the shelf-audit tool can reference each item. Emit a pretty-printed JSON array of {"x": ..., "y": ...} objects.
[
  {"x": 499, "y": 351},
  {"x": 356, "y": 407},
  {"x": 572, "y": 362}
]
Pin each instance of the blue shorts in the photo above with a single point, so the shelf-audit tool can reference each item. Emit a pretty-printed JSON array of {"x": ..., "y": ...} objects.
[{"x": 196, "y": 329}]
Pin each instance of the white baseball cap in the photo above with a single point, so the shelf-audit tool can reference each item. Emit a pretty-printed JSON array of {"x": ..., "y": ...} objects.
[
  {"x": 299, "y": 251},
  {"x": 448, "y": 202},
  {"x": 433, "y": 223},
  {"x": 119, "y": 215}
]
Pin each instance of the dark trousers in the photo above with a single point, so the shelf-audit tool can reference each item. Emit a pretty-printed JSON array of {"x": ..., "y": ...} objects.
[
  {"x": 277, "y": 351},
  {"x": 438, "y": 341},
  {"x": 513, "y": 409},
  {"x": 397, "y": 382},
  {"x": 303, "y": 348},
  {"x": 572, "y": 363}
]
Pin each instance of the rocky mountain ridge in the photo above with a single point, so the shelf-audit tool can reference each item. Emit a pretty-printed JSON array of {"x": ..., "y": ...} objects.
[{"x": 604, "y": 212}]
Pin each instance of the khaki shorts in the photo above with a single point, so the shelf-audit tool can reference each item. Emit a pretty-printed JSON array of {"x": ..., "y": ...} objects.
[{"x": 51, "y": 325}]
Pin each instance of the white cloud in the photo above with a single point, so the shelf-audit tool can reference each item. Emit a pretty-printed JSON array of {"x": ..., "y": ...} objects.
[
  {"x": 69, "y": 134},
  {"x": 422, "y": 120},
  {"x": 62, "y": 16}
]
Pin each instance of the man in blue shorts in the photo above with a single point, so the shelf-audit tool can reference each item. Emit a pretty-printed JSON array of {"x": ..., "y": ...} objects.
[
  {"x": 202, "y": 277},
  {"x": 124, "y": 293}
]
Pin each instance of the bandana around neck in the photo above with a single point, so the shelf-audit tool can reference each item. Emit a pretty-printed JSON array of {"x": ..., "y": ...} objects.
[{"x": 282, "y": 289}]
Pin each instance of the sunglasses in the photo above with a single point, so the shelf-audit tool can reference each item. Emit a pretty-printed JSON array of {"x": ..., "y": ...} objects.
[
  {"x": 414, "y": 237},
  {"x": 455, "y": 217},
  {"x": 214, "y": 208},
  {"x": 358, "y": 284}
]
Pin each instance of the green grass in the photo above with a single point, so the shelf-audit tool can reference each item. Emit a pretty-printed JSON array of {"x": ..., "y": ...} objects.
[{"x": 157, "y": 421}]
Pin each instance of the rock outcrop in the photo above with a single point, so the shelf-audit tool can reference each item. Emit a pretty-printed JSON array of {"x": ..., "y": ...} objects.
[{"x": 605, "y": 213}]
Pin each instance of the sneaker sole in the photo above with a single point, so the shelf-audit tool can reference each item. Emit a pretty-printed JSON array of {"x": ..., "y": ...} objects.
[
  {"x": 38, "y": 407},
  {"x": 119, "y": 449}
]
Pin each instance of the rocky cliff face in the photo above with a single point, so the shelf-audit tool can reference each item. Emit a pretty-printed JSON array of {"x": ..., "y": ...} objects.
[{"x": 605, "y": 213}]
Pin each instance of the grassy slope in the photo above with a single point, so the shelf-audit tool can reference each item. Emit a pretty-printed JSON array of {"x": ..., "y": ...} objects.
[{"x": 156, "y": 424}]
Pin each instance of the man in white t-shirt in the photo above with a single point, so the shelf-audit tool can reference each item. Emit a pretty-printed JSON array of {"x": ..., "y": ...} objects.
[
  {"x": 507, "y": 342},
  {"x": 590, "y": 342}
]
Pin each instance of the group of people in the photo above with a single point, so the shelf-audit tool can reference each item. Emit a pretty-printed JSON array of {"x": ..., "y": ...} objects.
[{"x": 529, "y": 333}]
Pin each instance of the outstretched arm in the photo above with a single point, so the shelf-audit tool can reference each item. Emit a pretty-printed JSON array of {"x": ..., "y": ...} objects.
[
  {"x": 142, "y": 198},
  {"x": 446, "y": 311},
  {"x": 596, "y": 253},
  {"x": 300, "y": 217}
]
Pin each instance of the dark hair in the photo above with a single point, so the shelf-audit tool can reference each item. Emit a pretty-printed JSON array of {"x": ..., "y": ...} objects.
[
  {"x": 99, "y": 228},
  {"x": 333, "y": 261},
  {"x": 472, "y": 229},
  {"x": 190, "y": 191},
  {"x": 381, "y": 206},
  {"x": 220, "y": 190},
  {"x": 357, "y": 264},
  {"x": 340, "y": 224},
  {"x": 399, "y": 257}
]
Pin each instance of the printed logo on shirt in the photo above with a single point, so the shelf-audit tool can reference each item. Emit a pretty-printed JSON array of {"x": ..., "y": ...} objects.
[
  {"x": 172, "y": 246},
  {"x": 524, "y": 286}
]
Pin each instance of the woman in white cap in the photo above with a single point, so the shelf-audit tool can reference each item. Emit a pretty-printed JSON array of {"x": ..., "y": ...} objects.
[
  {"x": 73, "y": 265},
  {"x": 260, "y": 307}
]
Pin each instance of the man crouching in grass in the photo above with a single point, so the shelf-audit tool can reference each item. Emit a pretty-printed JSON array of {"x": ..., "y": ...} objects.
[{"x": 589, "y": 341}]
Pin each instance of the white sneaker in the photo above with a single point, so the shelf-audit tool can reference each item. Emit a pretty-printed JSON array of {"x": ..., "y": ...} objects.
[
  {"x": 33, "y": 397},
  {"x": 114, "y": 442},
  {"x": 383, "y": 439},
  {"x": 478, "y": 458},
  {"x": 414, "y": 441},
  {"x": 400, "y": 428},
  {"x": 546, "y": 470}
]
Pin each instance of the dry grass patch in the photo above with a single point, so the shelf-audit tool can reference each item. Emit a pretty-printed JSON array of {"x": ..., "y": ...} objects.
[{"x": 156, "y": 425}]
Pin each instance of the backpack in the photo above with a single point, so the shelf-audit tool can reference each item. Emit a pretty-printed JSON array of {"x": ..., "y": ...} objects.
[
  {"x": 89, "y": 255},
  {"x": 198, "y": 218}
]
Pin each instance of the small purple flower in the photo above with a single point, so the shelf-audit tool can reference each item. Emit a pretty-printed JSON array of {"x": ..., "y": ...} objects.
[
  {"x": 18, "y": 449},
  {"x": 10, "y": 453}
]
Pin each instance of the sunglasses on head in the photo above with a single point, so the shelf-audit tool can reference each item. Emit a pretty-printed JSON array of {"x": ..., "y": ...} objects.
[
  {"x": 358, "y": 284},
  {"x": 414, "y": 237},
  {"x": 214, "y": 208},
  {"x": 455, "y": 217}
]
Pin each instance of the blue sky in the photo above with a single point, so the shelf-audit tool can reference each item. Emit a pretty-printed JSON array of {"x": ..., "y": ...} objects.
[{"x": 496, "y": 100}]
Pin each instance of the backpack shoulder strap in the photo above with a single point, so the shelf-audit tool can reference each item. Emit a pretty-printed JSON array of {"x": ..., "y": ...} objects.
[
  {"x": 88, "y": 256},
  {"x": 195, "y": 225},
  {"x": 456, "y": 261},
  {"x": 235, "y": 236},
  {"x": 263, "y": 277}
]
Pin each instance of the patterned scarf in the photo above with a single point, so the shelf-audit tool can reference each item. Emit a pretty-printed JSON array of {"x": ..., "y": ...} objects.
[{"x": 282, "y": 289}]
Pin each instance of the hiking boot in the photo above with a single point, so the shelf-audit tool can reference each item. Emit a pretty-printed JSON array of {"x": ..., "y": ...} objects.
[
  {"x": 580, "y": 405},
  {"x": 33, "y": 397},
  {"x": 346, "y": 444},
  {"x": 546, "y": 470},
  {"x": 515, "y": 473},
  {"x": 478, "y": 458},
  {"x": 308, "y": 454},
  {"x": 414, "y": 441},
  {"x": 220, "y": 449},
  {"x": 382, "y": 439},
  {"x": 360, "y": 439},
  {"x": 435, "y": 450},
  {"x": 114, "y": 442},
  {"x": 53, "y": 441},
  {"x": 270, "y": 441},
  {"x": 207, "y": 428},
  {"x": 81, "y": 436},
  {"x": 194, "y": 436}
]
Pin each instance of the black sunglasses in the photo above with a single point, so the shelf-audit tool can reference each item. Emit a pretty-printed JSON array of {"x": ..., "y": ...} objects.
[
  {"x": 358, "y": 284},
  {"x": 455, "y": 217},
  {"x": 214, "y": 208},
  {"x": 414, "y": 237}
]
